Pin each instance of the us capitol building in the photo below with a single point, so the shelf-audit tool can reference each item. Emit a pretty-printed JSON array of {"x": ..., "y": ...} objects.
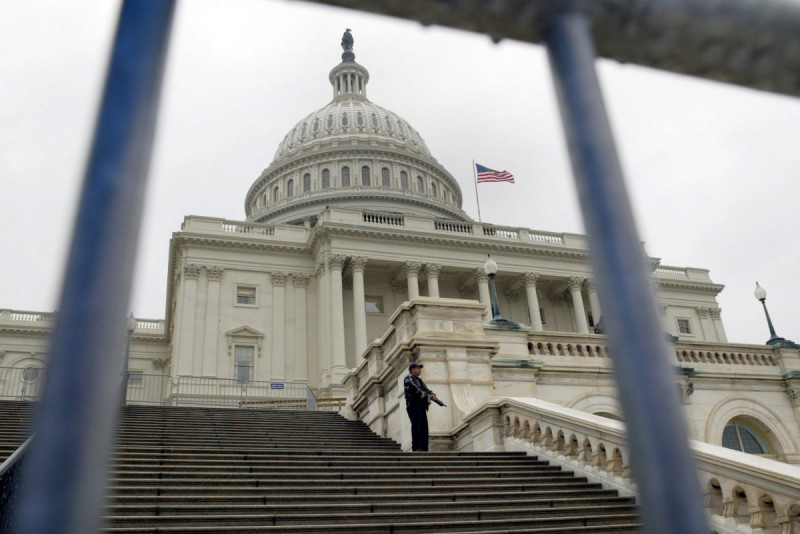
[{"x": 356, "y": 258}]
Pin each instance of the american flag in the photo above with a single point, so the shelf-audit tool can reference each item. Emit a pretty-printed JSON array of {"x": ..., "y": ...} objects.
[{"x": 485, "y": 174}]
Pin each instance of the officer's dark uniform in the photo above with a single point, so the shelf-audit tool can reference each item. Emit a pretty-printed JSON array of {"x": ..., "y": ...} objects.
[{"x": 417, "y": 408}]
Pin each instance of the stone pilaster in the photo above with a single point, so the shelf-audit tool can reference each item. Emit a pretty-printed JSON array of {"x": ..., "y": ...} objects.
[
  {"x": 323, "y": 323},
  {"x": 185, "y": 345},
  {"x": 716, "y": 319},
  {"x": 278, "y": 366},
  {"x": 210, "y": 345}
]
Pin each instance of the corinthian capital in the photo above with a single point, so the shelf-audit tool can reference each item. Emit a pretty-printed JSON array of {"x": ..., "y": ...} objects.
[
  {"x": 214, "y": 273},
  {"x": 191, "y": 271},
  {"x": 336, "y": 262},
  {"x": 481, "y": 275},
  {"x": 358, "y": 263},
  {"x": 412, "y": 268},
  {"x": 575, "y": 283},
  {"x": 530, "y": 279},
  {"x": 279, "y": 279},
  {"x": 300, "y": 280},
  {"x": 432, "y": 270}
]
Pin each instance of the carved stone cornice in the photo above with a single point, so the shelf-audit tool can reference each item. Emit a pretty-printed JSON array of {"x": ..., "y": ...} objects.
[
  {"x": 336, "y": 262},
  {"x": 191, "y": 271},
  {"x": 575, "y": 283},
  {"x": 530, "y": 279},
  {"x": 713, "y": 289},
  {"x": 358, "y": 263},
  {"x": 279, "y": 279},
  {"x": 214, "y": 273},
  {"x": 411, "y": 268},
  {"x": 432, "y": 270},
  {"x": 300, "y": 280}
]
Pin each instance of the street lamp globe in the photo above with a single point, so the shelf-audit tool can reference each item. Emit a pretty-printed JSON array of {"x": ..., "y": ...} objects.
[
  {"x": 490, "y": 266},
  {"x": 760, "y": 293}
]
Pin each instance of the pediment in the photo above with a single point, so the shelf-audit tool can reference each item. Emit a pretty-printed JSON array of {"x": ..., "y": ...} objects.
[{"x": 244, "y": 331}]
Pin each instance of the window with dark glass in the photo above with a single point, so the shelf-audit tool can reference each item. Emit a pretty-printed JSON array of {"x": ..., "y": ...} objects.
[
  {"x": 364, "y": 175},
  {"x": 243, "y": 363},
  {"x": 374, "y": 121},
  {"x": 388, "y": 124},
  {"x": 740, "y": 436},
  {"x": 245, "y": 295},
  {"x": 344, "y": 119},
  {"x": 330, "y": 122},
  {"x": 315, "y": 128},
  {"x": 433, "y": 189},
  {"x": 290, "y": 188},
  {"x": 276, "y": 194},
  {"x": 360, "y": 119},
  {"x": 385, "y": 177},
  {"x": 326, "y": 178},
  {"x": 684, "y": 326},
  {"x": 345, "y": 176},
  {"x": 420, "y": 184},
  {"x": 306, "y": 183}
]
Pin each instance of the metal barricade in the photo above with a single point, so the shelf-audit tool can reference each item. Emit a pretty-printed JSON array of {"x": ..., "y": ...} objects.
[
  {"x": 248, "y": 394},
  {"x": 149, "y": 389},
  {"x": 21, "y": 383}
]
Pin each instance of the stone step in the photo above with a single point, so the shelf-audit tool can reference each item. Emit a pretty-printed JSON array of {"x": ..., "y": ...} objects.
[
  {"x": 292, "y": 471},
  {"x": 337, "y": 506},
  {"x": 602, "y": 523},
  {"x": 408, "y": 462}
]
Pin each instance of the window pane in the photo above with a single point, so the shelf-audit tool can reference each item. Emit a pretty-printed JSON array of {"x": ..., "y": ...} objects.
[
  {"x": 751, "y": 441},
  {"x": 306, "y": 183},
  {"x": 729, "y": 438},
  {"x": 373, "y": 304},
  {"x": 290, "y": 188},
  {"x": 243, "y": 363},
  {"x": 403, "y": 180},
  {"x": 385, "y": 177},
  {"x": 245, "y": 295},
  {"x": 345, "y": 176},
  {"x": 365, "y": 175},
  {"x": 326, "y": 179}
]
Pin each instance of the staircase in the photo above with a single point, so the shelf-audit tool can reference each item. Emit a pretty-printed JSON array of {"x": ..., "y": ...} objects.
[
  {"x": 203, "y": 470},
  {"x": 15, "y": 423},
  {"x": 221, "y": 471}
]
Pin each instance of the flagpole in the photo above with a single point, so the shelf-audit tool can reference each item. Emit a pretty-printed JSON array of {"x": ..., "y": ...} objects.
[{"x": 477, "y": 198}]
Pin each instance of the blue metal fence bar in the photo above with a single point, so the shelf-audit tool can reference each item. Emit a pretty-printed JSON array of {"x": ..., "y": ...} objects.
[
  {"x": 661, "y": 461},
  {"x": 65, "y": 475},
  {"x": 252, "y": 394}
]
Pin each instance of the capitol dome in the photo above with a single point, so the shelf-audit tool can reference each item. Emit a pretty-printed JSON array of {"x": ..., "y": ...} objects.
[{"x": 352, "y": 153}]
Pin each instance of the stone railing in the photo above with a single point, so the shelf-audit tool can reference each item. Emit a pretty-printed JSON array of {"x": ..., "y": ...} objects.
[
  {"x": 247, "y": 228},
  {"x": 18, "y": 316},
  {"x": 725, "y": 354},
  {"x": 744, "y": 493}
]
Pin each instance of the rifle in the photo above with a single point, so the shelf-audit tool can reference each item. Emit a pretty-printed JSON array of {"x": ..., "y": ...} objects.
[{"x": 437, "y": 401}]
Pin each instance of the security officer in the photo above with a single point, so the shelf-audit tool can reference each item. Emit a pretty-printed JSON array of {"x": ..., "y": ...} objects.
[{"x": 418, "y": 398}]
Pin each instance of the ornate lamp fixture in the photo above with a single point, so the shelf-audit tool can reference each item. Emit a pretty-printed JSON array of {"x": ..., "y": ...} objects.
[
  {"x": 490, "y": 267},
  {"x": 774, "y": 340}
]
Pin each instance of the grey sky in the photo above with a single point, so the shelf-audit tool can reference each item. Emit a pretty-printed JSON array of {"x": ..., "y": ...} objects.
[{"x": 711, "y": 168}]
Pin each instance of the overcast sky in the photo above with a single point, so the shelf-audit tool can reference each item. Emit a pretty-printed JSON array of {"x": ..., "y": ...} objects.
[{"x": 713, "y": 169}]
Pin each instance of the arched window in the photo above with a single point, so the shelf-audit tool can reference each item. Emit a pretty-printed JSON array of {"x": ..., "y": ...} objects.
[
  {"x": 344, "y": 119},
  {"x": 433, "y": 189},
  {"x": 420, "y": 185},
  {"x": 364, "y": 175},
  {"x": 306, "y": 183},
  {"x": 326, "y": 178},
  {"x": 741, "y": 436},
  {"x": 345, "y": 176},
  {"x": 359, "y": 119},
  {"x": 329, "y": 124},
  {"x": 276, "y": 194},
  {"x": 385, "y": 177},
  {"x": 265, "y": 199},
  {"x": 290, "y": 188},
  {"x": 403, "y": 180}
]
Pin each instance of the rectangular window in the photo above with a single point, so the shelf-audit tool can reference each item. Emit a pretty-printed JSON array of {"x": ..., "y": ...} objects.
[
  {"x": 684, "y": 326},
  {"x": 135, "y": 379},
  {"x": 541, "y": 316},
  {"x": 373, "y": 304},
  {"x": 246, "y": 295},
  {"x": 243, "y": 357}
]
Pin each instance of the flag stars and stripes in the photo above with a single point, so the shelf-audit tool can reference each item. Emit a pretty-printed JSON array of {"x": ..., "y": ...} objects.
[{"x": 487, "y": 175}]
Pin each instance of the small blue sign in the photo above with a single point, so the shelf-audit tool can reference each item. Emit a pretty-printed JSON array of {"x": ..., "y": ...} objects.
[{"x": 276, "y": 386}]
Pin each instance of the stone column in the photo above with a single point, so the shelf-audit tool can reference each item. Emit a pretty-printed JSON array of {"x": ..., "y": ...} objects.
[
  {"x": 359, "y": 310},
  {"x": 191, "y": 273},
  {"x": 575, "y": 285},
  {"x": 594, "y": 301},
  {"x": 717, "y": 320},
  {"x": 432, "y": 271},
  {"x": 301, "y": 334},
  {"x": 278, "y": 367},
  {"x": 483, "y": 291},
  {"x": 289, "y": 329},
  {"x": 412, "y": 278},
  {"x": 210, "y": 349},
  {"x": 530, "y": 280},
  {"x": 338, "y": 357},
  {"x": 706, "y": 326},
  {"x": 323, "y": 323}
]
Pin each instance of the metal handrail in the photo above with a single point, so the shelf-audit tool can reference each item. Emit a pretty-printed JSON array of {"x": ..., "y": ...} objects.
[{"x": 9, "y": 480}]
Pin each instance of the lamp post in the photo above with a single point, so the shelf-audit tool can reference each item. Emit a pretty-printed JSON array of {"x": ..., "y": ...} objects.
[
  {"x": 774, "y": 340},
  {"x": 130, "y": 326},
  {"x": 490, "y": 267}
]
